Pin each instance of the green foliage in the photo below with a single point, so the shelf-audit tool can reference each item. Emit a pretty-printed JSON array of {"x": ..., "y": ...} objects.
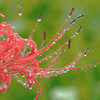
[{"x": 53, "y": 14}]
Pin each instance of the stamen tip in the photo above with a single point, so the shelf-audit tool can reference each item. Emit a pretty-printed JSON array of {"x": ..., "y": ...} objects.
[
  {"x": 44, "y": 35},
  {"x": 80, "y": 15},
  {"x": 71, "y": 11},
  {"x": 86, "y": 50},
  {"x": 69, "y": 43},
  {"x": 79, "y": 29}
]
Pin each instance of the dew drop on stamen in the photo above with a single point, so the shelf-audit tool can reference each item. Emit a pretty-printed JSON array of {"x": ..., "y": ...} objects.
[
  {"x": 76, "y": 32},
  {"x": 65, "y": 71},
  {"x": 50, "y": 56},
  {"x": 65, "y": 50},
  {"x": 21, "y": 82},
  {"x": 18, "y": 80},
  {"x": 57, "y": 71},
  {"x": 55, "y": 74},
  {"x": 84, "y": 54},
  {"x": 56, "y": 53},
  {"x": 24, "y": 84},
  {"x": 69, "y": 66},
  {"x": 39, "y": 20},
  {"x": 23, "y": 75},
  {"x": 73, "y": 65},
  {"x": 64, "y": 31},
  {"x": 33, "y": 82},
  {"x": 13, "y": 27},
  {"x": 53, "y": 42},
  {"x": 20, "y": 14},
  {"x": 30, "y": 88}
]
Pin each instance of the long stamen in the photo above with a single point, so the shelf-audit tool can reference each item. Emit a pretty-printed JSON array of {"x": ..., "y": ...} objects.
[
  {"x": 60, "y": 47},
  {"x": 36, "y": 24},
  {"x": 19, "y": 14},
  {"x": 42, "y": 51},
  {"x": 43, "y": 40},
  {"x": 58, "y": 31}
]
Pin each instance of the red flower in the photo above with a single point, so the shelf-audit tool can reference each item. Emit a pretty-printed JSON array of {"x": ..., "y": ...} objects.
[{"x": 15, "y": 59}]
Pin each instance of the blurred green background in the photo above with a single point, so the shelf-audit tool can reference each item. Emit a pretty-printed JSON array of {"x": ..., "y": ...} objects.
[{"x": 76, "y": 84}]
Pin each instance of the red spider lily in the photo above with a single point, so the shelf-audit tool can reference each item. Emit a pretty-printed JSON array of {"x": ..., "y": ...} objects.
[{"x": 15, "y": 59}]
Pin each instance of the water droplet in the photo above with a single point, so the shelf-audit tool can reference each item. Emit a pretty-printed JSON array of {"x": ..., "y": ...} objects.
[
  {"x": 30, "y": 74},
  {"x": 94, "y": 65},
  {"x": 50, "y": 56},
  {"x": 39, "y": 20},
  {"x": 55, "y": 74},
  {"x": 5, "y": 70},
  {"x": 53, "y": 42},
  {"x": 48, "y": 72},
  {"x": 57, "y": 71},
  {"x": 20, "y": 14},
  {"x": 73, "y": 65},
  {"x": 30, "y": 88},
  {"x": 11, "y": 55},
  {"x": 23, "y": 75},
  {"x": 65, "y": 71},
  {"x": 22, "y": 82},
  {"x": 69, "y": 66},
  {"x": 27, "y": 44},
  {"x": 33, "y": 82},
  {"x": 64, "y": 31},
  {"x": 65, "y": 50},
  {"x": 66, "y": 43},
  {"x": 84, "y": 54},
  {"x": 5, "y": 85},
  {"x": 18, "y": 80},
  {"x": 13, "y": 27},
  {"x": 3, "y": 25},
  {"x": 4, "y": 39},
  {"x": 73, "y": 35},
  {"x": 56, "y": 53},
  {"x": 76, "y": 32}
]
